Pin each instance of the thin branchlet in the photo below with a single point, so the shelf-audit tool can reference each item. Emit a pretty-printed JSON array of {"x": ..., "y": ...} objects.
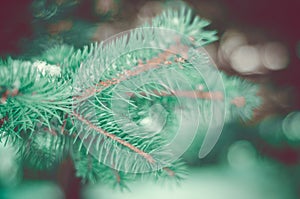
[{"x": 148, "y": 157}]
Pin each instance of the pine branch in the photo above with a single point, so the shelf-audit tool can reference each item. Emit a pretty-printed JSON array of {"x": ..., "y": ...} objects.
[
  {"x": 148, "y": 157},
  {"x": 71, "y": 101},
  {"x": 151, "y": 64}
]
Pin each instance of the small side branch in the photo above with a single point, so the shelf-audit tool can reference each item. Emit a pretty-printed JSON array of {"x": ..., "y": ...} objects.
[
  {"x": 213, "y": 95},
  {"x": 156, "y": 62},
  {"x": 64, "y": 124},
  {"x": 239, "y": 101},
  {"x": 147, "y": 156},
  {"x": 188, "y": 94}
]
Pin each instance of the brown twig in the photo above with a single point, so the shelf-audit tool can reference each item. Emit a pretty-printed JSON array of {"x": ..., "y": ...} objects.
[
  {"x": 188, "y": 94},
  {"x": 156, "y": 62},
  {"x": 148, "y": 157},
  {"x": 64, "y": 124},
  {"x": 213, "y": 95},
  {"x": 117, "y": 174},
  {"x": 239, "y": 101},
  {"x": 121, "y": 77},
  {"x": 169, "y": 171}
]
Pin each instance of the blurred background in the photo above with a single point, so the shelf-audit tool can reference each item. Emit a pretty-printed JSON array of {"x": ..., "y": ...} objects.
[{"x": 258, "y": 40}]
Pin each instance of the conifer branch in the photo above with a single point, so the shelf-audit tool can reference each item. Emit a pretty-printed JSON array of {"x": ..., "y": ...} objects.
[
  {"x": 187, "y": 94},
  {"x": 151, "y": 64},
  {"x": 239, "y": 101},
  {"x": 212, "y": 95},
  {"x": 148, "y": 157},
  {"x": 43, "y": 115}
]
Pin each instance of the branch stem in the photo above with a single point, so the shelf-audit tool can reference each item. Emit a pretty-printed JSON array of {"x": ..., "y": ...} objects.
[
  {"x": 147, "y": 156},
  {"x": 239, "y": 101},
  {"x": 153, "y": 63}
]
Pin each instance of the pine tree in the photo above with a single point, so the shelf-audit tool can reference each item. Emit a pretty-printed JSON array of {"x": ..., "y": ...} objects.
[{"x": 124, "y": 108}]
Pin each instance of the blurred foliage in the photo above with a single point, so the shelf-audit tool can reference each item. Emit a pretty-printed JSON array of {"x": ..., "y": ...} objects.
[
  {"x": 32, "y": 190},
  {"x": 258, "y": 161}
]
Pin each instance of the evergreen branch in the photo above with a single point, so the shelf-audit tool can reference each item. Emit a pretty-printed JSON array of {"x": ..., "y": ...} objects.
[
  {"x": 31, "y": 96},
  {"x": 148, "y": 157},
  {"x": 151, "y": 64},
  {"x": 67, "y": 58},
  {"x": 38, "y": 96},
  {"x": 183, "y": 22},
  {"x": 188, "y": 94},
  {"x": 239, "y": 101},
  {"x": 44, "y": 149}
]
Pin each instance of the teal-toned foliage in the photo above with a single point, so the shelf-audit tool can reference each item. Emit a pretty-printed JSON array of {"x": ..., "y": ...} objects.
[{"x": 69, "y": 100}]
